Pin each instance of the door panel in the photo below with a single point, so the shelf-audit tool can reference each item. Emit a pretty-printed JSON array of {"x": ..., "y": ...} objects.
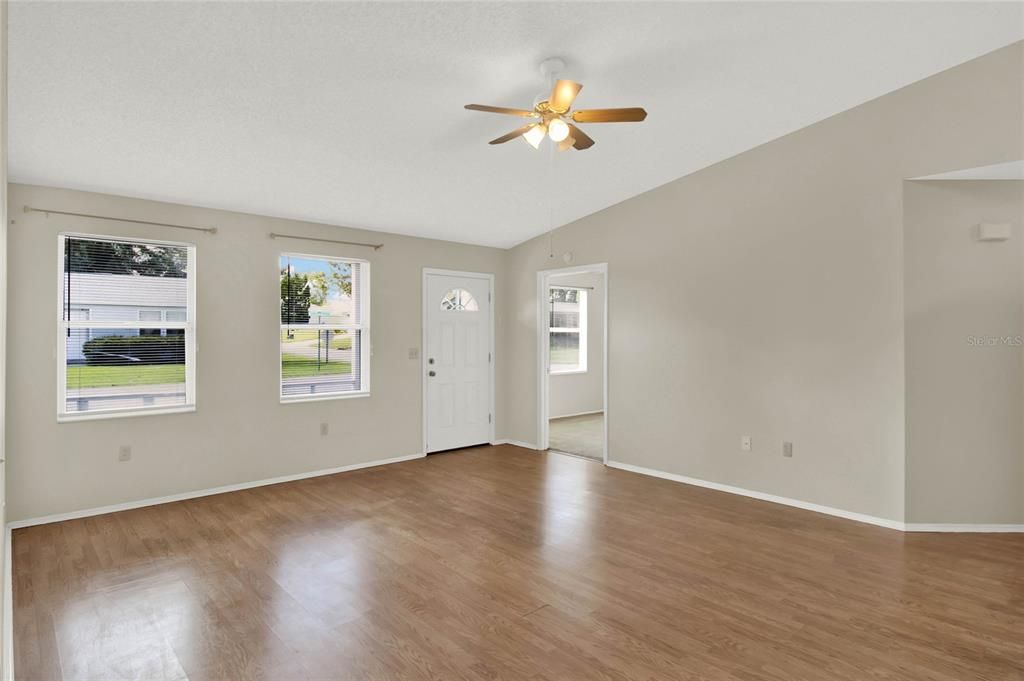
[
  {"x": 446, "y": 355},
  {"x": 458, "y": 318}
]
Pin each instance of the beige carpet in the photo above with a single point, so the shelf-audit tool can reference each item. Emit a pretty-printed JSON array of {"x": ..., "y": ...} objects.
[{"x": 582, "y": 435}]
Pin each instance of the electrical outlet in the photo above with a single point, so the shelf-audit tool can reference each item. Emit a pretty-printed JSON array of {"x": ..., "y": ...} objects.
[
  {"x": 787, "y": 449},
  {"x": 323, "y": 429},
  {"x": 414, "y": 353},
  {"x": 124, "y": 453},
  {"x": 746, "y": 444}
]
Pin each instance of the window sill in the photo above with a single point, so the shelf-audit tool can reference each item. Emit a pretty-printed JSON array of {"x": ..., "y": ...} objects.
[
  {"x": 323, "y": 398},
  {"x": 568, "y": 372},
  {"x": 126, "y": 413}
]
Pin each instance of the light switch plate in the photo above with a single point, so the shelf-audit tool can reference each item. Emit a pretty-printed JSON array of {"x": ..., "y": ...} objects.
[{"x": 746, "y": 444}]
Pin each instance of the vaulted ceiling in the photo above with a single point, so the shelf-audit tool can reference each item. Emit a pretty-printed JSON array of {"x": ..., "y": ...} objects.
[{"x": 351, "y": 113}]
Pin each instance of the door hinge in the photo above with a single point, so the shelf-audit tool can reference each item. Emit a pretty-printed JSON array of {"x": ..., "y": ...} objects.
[
  {"x": 488, "y": 296},
  {"x": 488, "y": 357},
  {"x": 488, "y": 418}
]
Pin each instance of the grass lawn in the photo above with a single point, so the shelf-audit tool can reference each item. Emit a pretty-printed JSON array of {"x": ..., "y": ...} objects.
[
  {"x": 105, "y": 377},
  {"x": 565, "y": 356},
  {"x": 297, "y": 366},
  {"x": 339, "y": 341}
]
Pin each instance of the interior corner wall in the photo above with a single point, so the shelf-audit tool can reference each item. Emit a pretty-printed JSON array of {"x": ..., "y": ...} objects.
[
  {"x": 582, "y": 393},
  {"x": 5, "y": 608},
  {"x": 240, "y": 431},
  {"x": 965, "y": 353},
  {"x": 763, "y": 296}
]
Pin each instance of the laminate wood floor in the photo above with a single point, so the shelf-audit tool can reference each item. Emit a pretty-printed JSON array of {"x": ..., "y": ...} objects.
[{"x": 503, "y": 563}]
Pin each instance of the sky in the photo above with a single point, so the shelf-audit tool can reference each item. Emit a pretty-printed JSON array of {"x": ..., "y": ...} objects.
[{"x": 302, "y": 265}]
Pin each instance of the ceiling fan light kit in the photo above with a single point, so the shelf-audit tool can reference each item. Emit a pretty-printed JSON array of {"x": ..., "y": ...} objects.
[
  {"x": 534, "y": 136},
  {"x": 552, "y": 115},
  {"x": 557, "y": 130}
]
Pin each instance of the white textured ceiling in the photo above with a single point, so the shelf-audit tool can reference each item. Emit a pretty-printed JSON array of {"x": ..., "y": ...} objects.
[{"x": 352, "y": 113}]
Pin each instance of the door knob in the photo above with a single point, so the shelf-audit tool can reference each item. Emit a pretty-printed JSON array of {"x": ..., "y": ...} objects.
[{"x": 431, "y": 373}]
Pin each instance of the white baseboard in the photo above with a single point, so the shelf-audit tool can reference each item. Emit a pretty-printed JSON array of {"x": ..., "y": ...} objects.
[
  {"x": 516, "y": 443},
  {"x": 579, "y": 413},
  {"x": 827, "y": 510},
  {"x": 796, "y": 503},
  {"x": 128, "y": 505},
  {"x": 964, "y": 527},
  {"x": 8, "y": 614}
]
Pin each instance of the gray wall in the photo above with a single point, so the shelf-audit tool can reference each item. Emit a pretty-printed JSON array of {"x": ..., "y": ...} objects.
[
  {"x": 762, "y": 296},
  {"x": 965, "y": 431},
  {"x": 240, "y": 432},
  {"x": 580, "y": 393}
]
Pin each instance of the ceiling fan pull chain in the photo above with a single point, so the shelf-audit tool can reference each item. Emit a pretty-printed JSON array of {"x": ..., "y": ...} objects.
[{"x": 551, "y": 202}]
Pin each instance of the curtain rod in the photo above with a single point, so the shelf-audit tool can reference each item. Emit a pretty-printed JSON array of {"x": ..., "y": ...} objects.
[
  {"x": 209, "y": 230},
  {"x": 575, "y": 288},
  {"x": 376, "y": 247}
]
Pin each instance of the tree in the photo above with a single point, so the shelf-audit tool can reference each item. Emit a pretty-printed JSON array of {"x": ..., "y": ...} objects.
[
  {"x": 296, "y": 297},
  {"x": 300, "y": 291},
  {"x": 564, "y": 295},
  {"x": 318, "y": 287},
  {"x": 341, "y": 277},
  {"x": 338, "y": 278},
  {"x": 113, "y": 257}
]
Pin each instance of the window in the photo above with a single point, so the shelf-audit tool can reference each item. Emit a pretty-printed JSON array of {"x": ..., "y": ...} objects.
[
  {"x": 150, "y": 316},
  {"x": 175, "y": 316},
  {"x": 568, "y": 330},
  {"x": 127, "y": 327},
  {"x": 325, "y": 327},
  {"x": 459, "y": 300}
]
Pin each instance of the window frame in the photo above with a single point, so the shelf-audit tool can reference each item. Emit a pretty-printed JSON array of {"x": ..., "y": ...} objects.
[
  {"x": 365, "y": 350},
  {"x": 189, "y": 327},
  {"x": 584, "y": 302}
]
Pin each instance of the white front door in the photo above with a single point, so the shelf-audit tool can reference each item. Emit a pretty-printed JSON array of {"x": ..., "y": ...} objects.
[{"x": 458, "y": 360}]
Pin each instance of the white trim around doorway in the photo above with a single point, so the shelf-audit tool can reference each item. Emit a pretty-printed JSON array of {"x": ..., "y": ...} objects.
[{"x": 543, "y": 348}]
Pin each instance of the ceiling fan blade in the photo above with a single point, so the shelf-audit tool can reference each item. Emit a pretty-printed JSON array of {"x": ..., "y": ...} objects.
[
  {"x": 563, "y": 95},
  {"x": 567, "y": 143},
  {"x": 512, "y": 135},
  {"x": 630, "y": 115},
  {"x": 501, "y": 110},
  {"x": 583, "y": 140}
]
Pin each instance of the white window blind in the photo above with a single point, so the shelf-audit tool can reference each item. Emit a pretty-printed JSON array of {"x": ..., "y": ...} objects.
[
  {"x": 568, "y": 329},
  {"x": 325, "y": 327},
  {"x": 127, "y": 326}
]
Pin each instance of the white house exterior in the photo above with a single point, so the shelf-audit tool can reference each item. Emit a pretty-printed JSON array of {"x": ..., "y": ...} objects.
[{"x": 121, "y": 298}]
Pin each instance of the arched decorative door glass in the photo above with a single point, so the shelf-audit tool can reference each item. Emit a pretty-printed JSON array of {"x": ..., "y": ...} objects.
[{"x": 459, "y": 300}]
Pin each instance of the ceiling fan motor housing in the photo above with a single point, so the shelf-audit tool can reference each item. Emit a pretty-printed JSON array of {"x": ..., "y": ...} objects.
[{"x": 549, "y": 68}]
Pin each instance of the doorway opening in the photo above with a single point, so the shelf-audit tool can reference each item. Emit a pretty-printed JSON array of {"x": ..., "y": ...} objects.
[{"x": 572, "y": 350}]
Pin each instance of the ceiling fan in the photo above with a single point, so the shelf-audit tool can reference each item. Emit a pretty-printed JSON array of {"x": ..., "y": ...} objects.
[{"x": 554, "y": 118}]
